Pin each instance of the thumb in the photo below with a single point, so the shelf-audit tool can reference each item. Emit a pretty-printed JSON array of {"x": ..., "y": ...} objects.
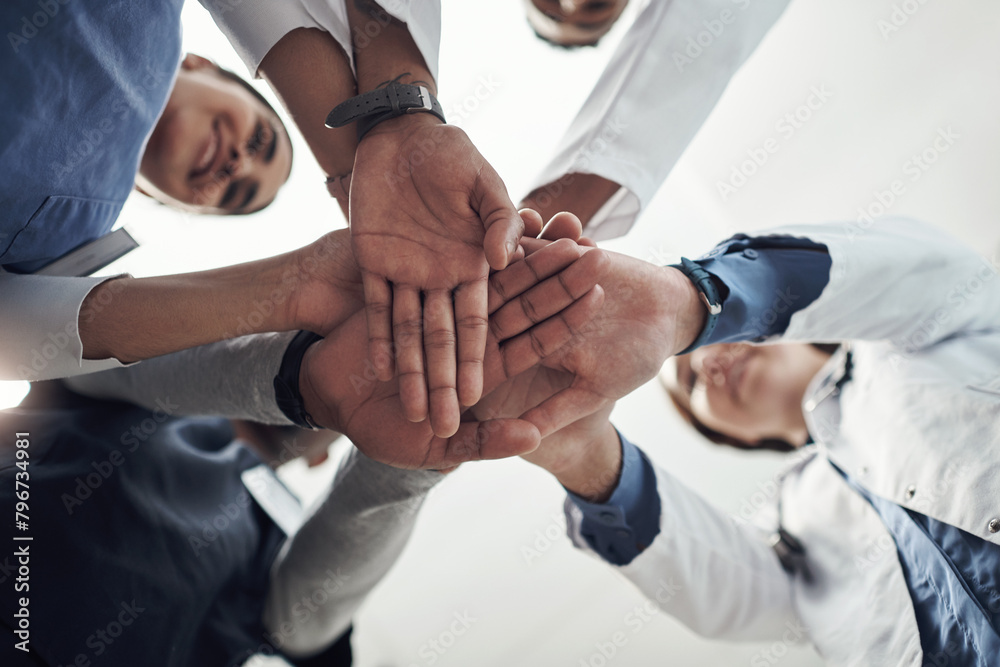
[{"x": 501, "y": 221}]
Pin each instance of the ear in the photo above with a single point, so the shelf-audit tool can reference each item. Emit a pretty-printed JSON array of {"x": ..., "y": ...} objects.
[{"x": 193, "y": 62}]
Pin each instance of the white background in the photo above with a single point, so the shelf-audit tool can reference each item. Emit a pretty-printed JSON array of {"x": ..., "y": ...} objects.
[{"x": 475, "y": 546}]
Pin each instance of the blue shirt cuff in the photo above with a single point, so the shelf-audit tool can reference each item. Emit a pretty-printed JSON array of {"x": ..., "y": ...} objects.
[
  {"x": 763, "y": 281},
  {"x": 621, "y": 528}
]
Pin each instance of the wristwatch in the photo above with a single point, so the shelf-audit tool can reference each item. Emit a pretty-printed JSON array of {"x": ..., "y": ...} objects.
[
  {"x": 286, "y": 382},
  {"x": 391, "y": 101},
  {"x": 709, "y": 294}
]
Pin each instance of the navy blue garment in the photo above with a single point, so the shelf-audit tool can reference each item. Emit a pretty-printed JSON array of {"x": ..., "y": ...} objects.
[
  {"x": 147, "y": 549},
  {"x": 83, "y": 86},
  {"x": 953, "y": 580},
  {"x": 621, "y": 528},
  {"x": 763, "y": 281}
]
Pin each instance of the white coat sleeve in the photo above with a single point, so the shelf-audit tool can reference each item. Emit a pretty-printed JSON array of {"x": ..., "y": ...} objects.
[
  {"x": 718, "y": 577},
  {"x": 896, "y": 280},
  {"x": 660, "y": 85},
  {"x": 253, "y": 27},
  {"x": 39, "y": 328}
]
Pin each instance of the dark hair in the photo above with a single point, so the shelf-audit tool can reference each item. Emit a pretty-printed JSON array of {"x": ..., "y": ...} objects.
[{"x": 774, "y": 444}]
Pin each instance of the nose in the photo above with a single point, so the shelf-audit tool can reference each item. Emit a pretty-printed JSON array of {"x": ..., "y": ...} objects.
[{"x": 239, "y": 162}]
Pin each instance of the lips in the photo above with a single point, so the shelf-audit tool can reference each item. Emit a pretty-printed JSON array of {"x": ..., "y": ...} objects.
[{"x": 210, "y": 154}]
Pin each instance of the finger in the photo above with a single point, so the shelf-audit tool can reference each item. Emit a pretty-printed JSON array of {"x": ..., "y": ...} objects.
[
  {"x": 542, "y": 340},
  {"x": 504, "y": 227},
  {"x": 564, "y": 408},
  {"x": 533, "y": 222},
  {"x": 439, "y": 350},
  {"x": 408, "y": 334},
  {"x": 529, "y": 245},
  {"x": 547, "y": 297},
  {"x": 587, "y": 242},
  {"x": 378, "y": 312},
  {"x": 471, "y": 327},
  {"x": 564, "y": 225},
  {"x": 514, "y": 280},
  {"x": 494, "y": 439}
]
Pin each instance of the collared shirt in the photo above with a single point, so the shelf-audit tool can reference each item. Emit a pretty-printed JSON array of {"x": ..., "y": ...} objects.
[
  {"x": 951, "y": 575},
  {"x": 84, "y": 83}
]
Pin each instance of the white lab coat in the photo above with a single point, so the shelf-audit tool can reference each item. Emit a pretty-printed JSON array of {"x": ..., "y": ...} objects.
[
  {"x": 656, "y": 92},
  {"x": 918, "y": 424}
]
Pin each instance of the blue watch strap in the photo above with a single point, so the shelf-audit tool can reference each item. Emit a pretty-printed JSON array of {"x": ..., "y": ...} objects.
[{"x": 702, "y": 280}]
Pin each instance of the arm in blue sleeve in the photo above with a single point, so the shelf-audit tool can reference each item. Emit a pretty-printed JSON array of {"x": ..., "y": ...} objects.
[
  {"x": 620, "y": 529},
  {"x": 763, "y": 281}
]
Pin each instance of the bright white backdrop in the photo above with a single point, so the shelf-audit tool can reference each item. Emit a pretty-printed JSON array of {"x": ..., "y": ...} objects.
[{"x": 489, "y": 542}]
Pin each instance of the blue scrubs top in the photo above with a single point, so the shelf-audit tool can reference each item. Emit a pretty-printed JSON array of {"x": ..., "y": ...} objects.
[{"x": 83, "y": 86}]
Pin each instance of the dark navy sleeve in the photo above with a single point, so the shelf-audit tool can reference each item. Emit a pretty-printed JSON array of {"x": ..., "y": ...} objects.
[
  {"x": 620, "y": 529},
  {"x": 763, "y": 281}
]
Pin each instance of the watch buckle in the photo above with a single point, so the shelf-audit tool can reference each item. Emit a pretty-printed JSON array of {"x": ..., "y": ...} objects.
[{"x": 425, "y": 101}]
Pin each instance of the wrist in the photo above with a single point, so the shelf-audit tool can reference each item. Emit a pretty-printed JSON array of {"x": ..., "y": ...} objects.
[
  {"x": 403, "y": 126},
  {"x": 312, "y": 402},
  {"x": 594, "y": 474},
  {"x": 690, "y": 314},
  {"x": 581, "y": 194}
]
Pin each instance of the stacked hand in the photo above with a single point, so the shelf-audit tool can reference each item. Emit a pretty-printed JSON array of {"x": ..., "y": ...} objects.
[
  {"x": 429, "y": 218},
  {"x": 536, "y": 306}
]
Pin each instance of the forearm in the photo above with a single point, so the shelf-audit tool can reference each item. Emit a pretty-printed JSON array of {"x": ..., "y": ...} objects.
[
  {"x": 390, "y": 54},
  {"x": 311, "y": 74},
  {"x": 582, "y": 194},
  {"x": 233, "y": 378},
  {"x": 346, "y": 546},
  {"x": 131, "y": 319}
]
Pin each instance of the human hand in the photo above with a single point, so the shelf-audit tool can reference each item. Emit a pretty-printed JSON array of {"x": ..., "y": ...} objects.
[
  {"x": 650, "y": 313},
  {"x": 429, "y": 218},
  {"x": 324, "y": 283},
  {"x": 536, "y": 305}
]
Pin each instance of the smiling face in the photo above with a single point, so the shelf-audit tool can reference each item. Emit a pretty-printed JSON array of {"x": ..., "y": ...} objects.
[
  {"x": 216, "y": 148},
  {"x": 747, "y": 392},
  {"x": 573, "y": 22}
]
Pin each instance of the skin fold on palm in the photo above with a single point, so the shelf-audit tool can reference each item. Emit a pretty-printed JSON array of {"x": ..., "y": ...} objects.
[
  {"x": 538, "y": 304},
  {"x": 429, "y": 218}
]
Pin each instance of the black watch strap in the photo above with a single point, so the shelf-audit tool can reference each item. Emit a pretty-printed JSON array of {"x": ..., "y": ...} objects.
[
  {"x": 391, "y": 101},
  {"x": 710, "y": 296},
  {"x": 286, "y": 382}
]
